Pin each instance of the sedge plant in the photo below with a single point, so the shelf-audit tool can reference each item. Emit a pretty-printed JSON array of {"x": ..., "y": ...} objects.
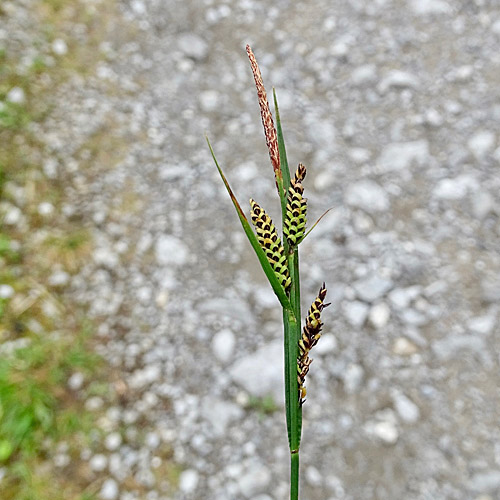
[{"x": 279, "y": 258}]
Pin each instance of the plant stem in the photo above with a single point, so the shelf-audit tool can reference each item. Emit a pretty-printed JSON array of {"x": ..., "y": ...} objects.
[{"x": 294, "y": 476}]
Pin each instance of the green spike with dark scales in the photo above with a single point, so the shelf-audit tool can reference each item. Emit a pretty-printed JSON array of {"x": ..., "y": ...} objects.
[
  {"x": 270, "y": 243},
  {"x": 310, "y": 336},
  {"x": 296, "y": 208}
]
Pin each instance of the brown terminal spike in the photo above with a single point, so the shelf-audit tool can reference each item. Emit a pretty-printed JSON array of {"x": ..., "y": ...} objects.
[{"x": 267, "y": 118}]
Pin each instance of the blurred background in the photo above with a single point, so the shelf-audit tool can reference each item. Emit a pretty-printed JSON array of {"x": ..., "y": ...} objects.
[{"x": 140, "y": 345}]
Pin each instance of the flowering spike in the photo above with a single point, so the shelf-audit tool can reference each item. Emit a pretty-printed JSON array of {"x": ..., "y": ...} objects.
[
  {"x": 296, "y": 208},
  {"x": 267, "y": 118},
  {"x": 310, "y": 336},
  {"x": 271, "y": 244}
]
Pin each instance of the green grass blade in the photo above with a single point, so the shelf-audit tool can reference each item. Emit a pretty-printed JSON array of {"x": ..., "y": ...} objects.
[{"x": 266, "y": 266}]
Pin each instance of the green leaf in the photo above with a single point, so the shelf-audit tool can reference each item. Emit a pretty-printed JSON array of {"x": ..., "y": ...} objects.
[{"x": 266, "y": 266}]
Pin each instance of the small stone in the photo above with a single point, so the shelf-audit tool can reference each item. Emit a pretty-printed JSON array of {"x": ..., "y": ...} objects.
[
  {"x": 58, "y": 279},
  {"x": 353, "y": 378},
  {"x": 223, "y": 344},
  {"x": 483, "y": 204},
  {"x": 109, "y": 490},
  {"x": 170, "y": 250},
  {"x": 220, "y": 414},
  {"x": 313, "y": 476},
  {"x": 6, "y": 292},
  {"x": 401, "y": 298},
  {"x": 482, "y": 324},
  {"x": 16, "y": 96},
  {"x": 486, "y": 481},
  {"x": 193, "y": 46},
  {"x": 261, "y": 372},
  {"x": 412, "y": 317},
  {"x": 367, "y": 195},
  {"x": 13, "y": 216},
  {"x": 448, "y": 347},
  {"x": 364, "y": 75},
  {"x": 254, "y": 480},
  {"x": 326, "y": 345},
  {"x": 59, "y": 47},
  {"x": 426, "y": 7},
  {"x": 94, "y": 403},
  {"x": 113, "y": 441},
  {"x": 406, "y": 408},
  {"x": 356, "y": 312},
  {"x": 75, "y": 382},
  {"x": 386, "y": 432},
  {"x": 98, "y": 462},
  {"x": 209, "y": 100},
  {"x": 379, "y": 315},
  {"x": 402, "y": 155},
  {"x": 188, "y": 481},
  {"x": 403, "y": 347},
  {"x": 372, "y": 288},
  {"x": 481, "y": 143},
  {"x": 454, "y": 189},
  {"x": 398, "y": 80}
]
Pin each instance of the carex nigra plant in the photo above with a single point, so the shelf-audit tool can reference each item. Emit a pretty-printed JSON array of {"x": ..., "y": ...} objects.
[{"x": 279, "y": 258}]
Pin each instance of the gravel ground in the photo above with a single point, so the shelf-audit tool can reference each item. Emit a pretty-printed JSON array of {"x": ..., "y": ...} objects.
[{"x": 394, "y": 106}]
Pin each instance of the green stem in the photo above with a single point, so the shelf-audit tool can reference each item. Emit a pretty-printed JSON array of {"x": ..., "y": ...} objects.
[{"x": 294, "y": 476}]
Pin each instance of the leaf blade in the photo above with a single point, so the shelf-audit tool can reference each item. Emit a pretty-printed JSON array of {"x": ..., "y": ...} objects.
[{"x": 266, "y": 266}]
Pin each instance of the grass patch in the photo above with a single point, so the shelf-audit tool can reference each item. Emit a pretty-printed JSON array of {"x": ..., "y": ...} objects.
[{"x": 44, "y": 339}]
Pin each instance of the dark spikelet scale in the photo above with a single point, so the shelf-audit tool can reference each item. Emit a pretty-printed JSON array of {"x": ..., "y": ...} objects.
[
  {"x": 271, "y": 244},
  {"x": 296, "y": 209},
  {"x": 310, "y": 336}
]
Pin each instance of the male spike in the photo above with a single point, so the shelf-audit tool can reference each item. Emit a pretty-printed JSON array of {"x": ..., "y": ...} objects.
[
  {"x": 296, "y": 208},
  {"x": 271, "y": 244}
]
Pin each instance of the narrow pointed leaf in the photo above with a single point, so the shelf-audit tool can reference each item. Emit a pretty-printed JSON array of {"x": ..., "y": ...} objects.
[
  {"x": 266, "y": 266},
  {"x": 316, "y": 223}
]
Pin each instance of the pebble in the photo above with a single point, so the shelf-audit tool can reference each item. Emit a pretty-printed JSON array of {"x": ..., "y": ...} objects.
[
  {"x": 367, "y": 195},
  {"x": 402, "y": 155},
  {"x": 401, "y": 298},
  {"x": 58, "y": 279},
  {"x": 223, "y": 344},
  {"x": 209, "y": 100},
  {"x": 448, "y": 347},
  {"x": 313, "y": 476},
  {"x": 261, "y": 372},
  {"x": 220, "y": 414},
  {"x": 481, "y": 143},
  {"x": 326, "y": 345},
  {"x": 483, "y": 325},
  {"x": 98, "y": 462},
  {"x": 171, "y": 251},
  {"x": 403, "y": 347},
  {"x": 454, "y": 189},
  {"x": 353, "y": 378},
  {"x": 16, "y": 95},
  {"x": 355, "y": 312},
  {"x": 483, "y": 204},
  {"x": 113, "y": 441},
  {"x": 385, "y": 431},
  {"x": 13, "y": 216},
  {"x": 75, "y": 381},
  {"x": 485, "y": 481},
  {"x": 379, "y": 315},
  {"x": 405, "y": 407},
  {"x": 397, "y": 79},
  {"x": 426, "y": 7},
  {"x": 193, "y": 46},
  {"x": 109, "y": 490},
  {"x": 364, "y": 75},
  {"x": 254, "y": 480},
  {"x": 372, "y": 288},
  {"x": 6, "y": 292},
  {"x": 59, "y": 47}
]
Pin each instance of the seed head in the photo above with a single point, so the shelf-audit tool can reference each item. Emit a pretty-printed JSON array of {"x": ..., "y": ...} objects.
[
  {"x": 296, "y": 208},
  {"x": 267, "y": 118},
  {"x": 271, "y": 244},
  {"x": 310, "y": 336}
]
